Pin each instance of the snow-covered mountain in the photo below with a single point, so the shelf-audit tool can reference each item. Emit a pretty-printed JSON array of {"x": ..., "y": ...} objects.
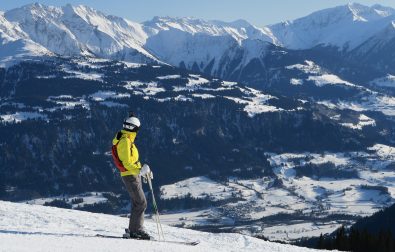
[
  {"x": 344, "y": 26},
  {"x": 239, "y": 29},
  {"x": 208, "y": 46},
  {"x": 237, "y": 51},
  {"x": 26, "y": 227},
  {"x": 80, "y": 30},
  {"x": 15, "y": 43}
]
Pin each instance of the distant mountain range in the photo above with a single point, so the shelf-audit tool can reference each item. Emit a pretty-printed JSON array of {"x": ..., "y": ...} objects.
[{"x": 354, "y": 36}]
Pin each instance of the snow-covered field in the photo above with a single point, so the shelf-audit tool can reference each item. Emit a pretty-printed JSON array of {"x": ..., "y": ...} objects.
[
  {"x": 25, "y": 227},
  {"x": 198, "y": 187},
  {"x": 75, "y": 201},
  {"x": 360, "y": 184},
  {"x": 317, "y": 75},
  {"x": 373, "y": 102}
]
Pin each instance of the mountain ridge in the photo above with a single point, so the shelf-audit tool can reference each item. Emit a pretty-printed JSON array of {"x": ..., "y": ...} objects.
[{"x": 80, "y": 29}]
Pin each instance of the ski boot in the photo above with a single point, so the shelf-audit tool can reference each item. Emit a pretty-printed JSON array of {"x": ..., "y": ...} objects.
[{"x": 139, "y": 235}]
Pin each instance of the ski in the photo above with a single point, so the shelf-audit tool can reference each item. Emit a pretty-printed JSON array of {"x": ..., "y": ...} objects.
[{"x": 194, "y": 243}]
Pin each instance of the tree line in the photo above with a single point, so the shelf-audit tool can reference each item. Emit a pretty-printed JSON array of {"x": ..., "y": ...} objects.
[{"x": 358, "y": 241}]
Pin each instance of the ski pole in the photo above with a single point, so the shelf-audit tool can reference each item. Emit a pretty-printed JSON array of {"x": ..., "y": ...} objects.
[
  {"x": 157, "y": 219},
  {"x": 156, "y": 209}
]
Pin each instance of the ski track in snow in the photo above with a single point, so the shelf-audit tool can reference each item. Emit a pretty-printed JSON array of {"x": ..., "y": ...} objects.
[{"x": 25, "y": 227}]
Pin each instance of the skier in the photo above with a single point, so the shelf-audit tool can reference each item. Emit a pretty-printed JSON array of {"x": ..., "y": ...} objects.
[{"x": 126, "y": 158}]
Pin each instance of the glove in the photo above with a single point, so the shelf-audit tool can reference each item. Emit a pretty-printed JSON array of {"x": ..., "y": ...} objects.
[{"x": 146, "y": 172}]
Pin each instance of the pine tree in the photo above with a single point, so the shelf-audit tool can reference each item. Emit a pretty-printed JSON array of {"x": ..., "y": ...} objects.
[
  {"x": 321, "y": 244},
  {"x": 340, "y": 240},
  {"x": 354, "y": 239}
]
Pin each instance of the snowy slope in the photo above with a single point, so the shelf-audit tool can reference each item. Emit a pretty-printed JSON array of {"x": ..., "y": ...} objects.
[
  {"x": 205, "y": 45},
  {"x": 75, "y": 30},
  {"x": 26, "y": 227},
  {"x": 343, "y": 26},
  {"x": 15, "y": 44}
]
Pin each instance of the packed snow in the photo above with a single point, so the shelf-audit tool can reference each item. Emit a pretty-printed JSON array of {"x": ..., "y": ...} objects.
[{"x": 25, "y": 227}]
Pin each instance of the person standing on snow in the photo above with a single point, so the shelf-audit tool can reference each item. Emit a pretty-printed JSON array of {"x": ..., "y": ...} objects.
[{"x": 126, "y": 158}]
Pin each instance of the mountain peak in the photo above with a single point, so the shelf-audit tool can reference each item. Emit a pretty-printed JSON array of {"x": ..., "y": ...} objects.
[
  {"x": 81, "y": 10},
  {"x": 365, "y": 13},
  {"x": 354, "y": 5},
  {"x": 344, "y": 26},
  {"x": 81, "y": 7},
  {"x": 36, "y": 7},
  {"x": 239, "y": 23},
  {"x": 32, "y": 11}
]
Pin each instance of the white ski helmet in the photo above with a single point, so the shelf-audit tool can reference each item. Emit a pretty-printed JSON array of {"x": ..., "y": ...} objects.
[{"x": 131, "y": 124}]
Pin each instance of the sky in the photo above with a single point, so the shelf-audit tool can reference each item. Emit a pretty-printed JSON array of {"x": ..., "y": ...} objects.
[{"x": 257, "y": 12}]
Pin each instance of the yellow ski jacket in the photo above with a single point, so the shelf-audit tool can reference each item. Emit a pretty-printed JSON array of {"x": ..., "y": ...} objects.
[{"x": 128, "y": 153}]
